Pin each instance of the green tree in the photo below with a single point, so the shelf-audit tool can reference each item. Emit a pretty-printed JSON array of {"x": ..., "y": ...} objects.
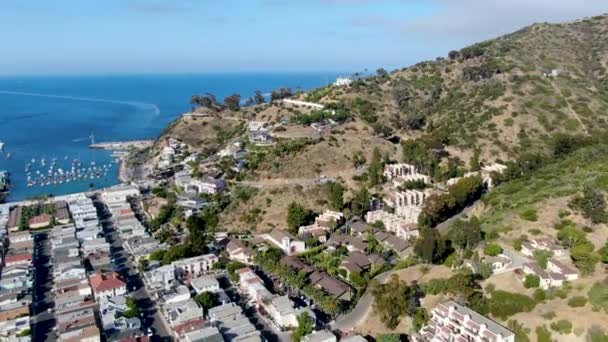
[
  {"x": 206, "y": 299},
  {"x": 296, "y": 216},
  {"x": 591, "y": 204},
  {"x": 259, "y": 98},
  {"x": 388, "y": 338},
  {"x": 132, "y": 308},
  {"x": 436, "y": 209},
  {"x": 465, "y": 234},
  {"x": 336, "y": 195},
  {"x": 531, "y": 281},
  {"x": 492, "y": 249},
  {"x": 305, "y": 326},
  {"x": 393, "y": 300},
  {"x": 430, "y": 246},
  {"x": 421, "y": 317},
  {"x": 360, "y": 203},
  {"x": 233, "y": 102},
  {"x": 375, "y": 171},
  {"x": 466, "y": 190}
]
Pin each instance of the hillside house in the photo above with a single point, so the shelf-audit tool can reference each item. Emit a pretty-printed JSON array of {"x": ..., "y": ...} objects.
[
  {"x": 545, "y": 244},
  {"x": 285, "y": 241}
]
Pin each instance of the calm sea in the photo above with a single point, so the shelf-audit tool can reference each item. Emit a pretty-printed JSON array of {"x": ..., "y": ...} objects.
[{"x": 52, "y": 118}]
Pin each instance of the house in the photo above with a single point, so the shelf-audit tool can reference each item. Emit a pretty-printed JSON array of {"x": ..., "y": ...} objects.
[
  {"x": 70, "y": 272},
  {"x": 107, "y": 284},
  {"x": 239, "y": 252},
  {"x": 285, "y": 241},
  {"x": 554, "y": 276},
  {"x": 360, "y": 228},
  {"x": 62, "y": 215},
  {"x": 224, "y": 312},
  {"x": 206, "y": 283},
  {"x": 331, "y": 285},
  {"x": 189, "y": 327},
  {"x": 357, "y": 262},
  {"x": 189, "y": 268},
  {"x": 16, "y": 309},
  {"x": 160, "y": 277},
  {"x": 407, "y": 204},
  {"x": 11, "y": 329},
  {"x": 99, "y": 261},
  {"x": 109, "y": 309},
  {"x": 343, "y": 82},
  {"x": 398, "y": 170},
  {"x": 181, "y": 312},
  {"x": 20, "y": 237},
  {"x": 252, "y": 285},
  {"x": 208, "y": 334},
  {"x": 208, "y": 185},
  {"x": 498, "y": 263},
  {"x": 282, "y": 311},
  {"x": 297, "y": 265},
  {"x": 260, "y": 137},
  {"x": 451, "y": 321},
  {"x": 74, "y": 286},
  {"x": 320, "y": 336},
  {"x": 18, "y": 259},
  {"x": 352, "y": 243},
  {"x": 40, "y": 221},
  {"x": 400, "y": 246},
  {"x": 544, "y": 244},
  {"x": 174, "y": 295},
  {"x": 119, "y": 194}
]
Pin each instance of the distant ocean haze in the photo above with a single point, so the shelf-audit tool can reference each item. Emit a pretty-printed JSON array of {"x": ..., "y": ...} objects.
[{"x": 54, "y": 117}]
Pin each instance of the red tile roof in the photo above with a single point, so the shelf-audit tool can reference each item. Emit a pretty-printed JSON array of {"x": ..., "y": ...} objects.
[
  {"x": 106, "y": 281},
  {"x": 17, "y": 257},
  {"x": 43, "y": 218}
]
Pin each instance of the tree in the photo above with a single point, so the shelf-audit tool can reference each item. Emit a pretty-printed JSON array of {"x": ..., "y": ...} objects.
[
  {"x": 259, "y": 98},
  {"x": 436, "y": 209},
  {"x": 393, "y": 300},
  {"x": 591, "y": 204},
  {"x": 492, "y": 249},
  {"x": 388, "y": 338},
  {"x": 430, "y": 246},
  {"x": 360, "y": 202},
  {"x": 132, "y": 308},
  {"x": 466, "y": 190},
  {"x": 382, "y": 73},
  {"x": 206, "y": 299},
  {"x": 336, "y": 195},
  {"x": 603, "y": 252},
  {"x": 305, "y": 326},
  {"x": 375, "y": 171},
  {"x": 531, "y": 281},
  {"x": 465, "y": 234},
  {"x": 453, "y": 54},
  {"x": 296, "y": 216},
  {"x": 233, "y": 102},
  {"x": 421, "y": 317},
  {"x": 197, "y": 238},
  {"x": 280, "y": 94}
]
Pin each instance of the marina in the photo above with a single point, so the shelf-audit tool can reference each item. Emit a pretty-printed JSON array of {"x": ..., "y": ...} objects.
[{"x": 55, "y": 172}]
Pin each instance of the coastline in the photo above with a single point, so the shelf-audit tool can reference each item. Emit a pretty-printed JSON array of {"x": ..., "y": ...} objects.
[{"x": 123, "y": 172}]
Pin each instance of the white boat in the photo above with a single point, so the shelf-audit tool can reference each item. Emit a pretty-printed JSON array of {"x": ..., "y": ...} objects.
[{"x": 1, "y": 145}]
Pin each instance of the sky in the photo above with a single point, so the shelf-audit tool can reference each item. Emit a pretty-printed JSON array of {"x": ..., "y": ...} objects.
[{"x": 42, "y": 37}]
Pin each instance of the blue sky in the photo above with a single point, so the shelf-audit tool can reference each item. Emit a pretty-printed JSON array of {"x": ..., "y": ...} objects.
[{"x": 182, "y": 36}]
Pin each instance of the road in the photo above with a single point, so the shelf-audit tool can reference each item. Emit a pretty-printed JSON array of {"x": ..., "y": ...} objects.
[
  {"x": 43, "y": 321},
  {"x": 151, "y": 315}
]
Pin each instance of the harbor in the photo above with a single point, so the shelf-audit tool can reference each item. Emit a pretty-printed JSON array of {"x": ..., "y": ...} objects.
[
  {"x": 56, "y": 172},
  {"x": 122, "y": 145}
]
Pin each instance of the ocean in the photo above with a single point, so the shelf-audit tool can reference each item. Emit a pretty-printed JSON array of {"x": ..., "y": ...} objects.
[{"x": 53, "y": 119}]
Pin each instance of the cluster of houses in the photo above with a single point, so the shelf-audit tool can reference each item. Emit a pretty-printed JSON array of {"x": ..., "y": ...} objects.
[
  {"x": 451, "y": 321},
  {"x": 406, "y": 204},
  {"x": 174, "y": 149},
  {"x": 555, "y": 272},
  {"x": 53, "y": 213},
  {"x": 487, "y": 173},
  {"x": 15, "y": 282}
]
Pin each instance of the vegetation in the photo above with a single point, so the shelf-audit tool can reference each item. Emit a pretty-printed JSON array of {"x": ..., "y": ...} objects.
[
  {"x": 598, "y": 296},
  {"x": 305, "y": 326},
  {"x": 207, "y": 299},
  {"x": 591, "y": 204},
  {"x": 438, "y": 208},
  {"x": 430, "y": 246},
  {"x": 298, "y": 216},
  {"x": 531, "y": 281},
  {"x": 492, "y": 249},
  {"x": 577, "y": 302},
  {"x": 504, "y": 304},
  {"x": 562, "y": 326},
  {"x": 388, "y": 338},
  {"x": 393, "y": 300},
  {"x": 132, "y": 308}
]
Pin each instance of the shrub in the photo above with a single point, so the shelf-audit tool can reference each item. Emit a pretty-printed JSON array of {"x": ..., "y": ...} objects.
[
  {"x": 562, "y": 326},
  {"x": 529, "y": 215},
  {"x": 577, "y": 301},
  {"x": 543, "y": 334},
  {"x": 540, "y": 295},
  {"x": 505, "y": 304},
  {"x": 492, "y": 249},
  {"x": 531, "y": 281},
  {"x": 598, "y": 296}
]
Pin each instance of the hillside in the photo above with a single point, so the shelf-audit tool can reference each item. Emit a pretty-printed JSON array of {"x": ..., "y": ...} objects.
[{"x": 488, "y": 102}]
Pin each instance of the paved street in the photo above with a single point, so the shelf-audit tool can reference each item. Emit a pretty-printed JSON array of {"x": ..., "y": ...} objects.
[
  {"x": 43, "y": 321},
  {"x": 151, "y": 315}
]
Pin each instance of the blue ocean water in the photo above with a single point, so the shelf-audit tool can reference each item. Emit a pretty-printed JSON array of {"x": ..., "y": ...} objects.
[{"x": 53, "y": 117}]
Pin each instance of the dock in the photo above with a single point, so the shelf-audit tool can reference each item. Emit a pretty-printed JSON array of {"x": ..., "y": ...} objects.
[{"x": 122, "y": 145}]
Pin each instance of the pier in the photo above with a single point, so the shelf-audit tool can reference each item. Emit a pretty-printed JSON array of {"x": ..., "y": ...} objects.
[{"x": 122, "y": 145}]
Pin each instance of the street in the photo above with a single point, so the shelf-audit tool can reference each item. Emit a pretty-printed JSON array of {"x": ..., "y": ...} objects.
[
  {"x": 150, "y": 315},
  {"x": 43, "y": 320}
]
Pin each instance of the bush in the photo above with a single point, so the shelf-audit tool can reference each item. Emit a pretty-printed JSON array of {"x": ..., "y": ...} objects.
[
  {"x": 504, "y": 304},
  {"x": 598, "y": 296},
  {"x": 562, "y": 326},
  {"x": 531, "y": 281},
  {"x": 577, "y": 301},
  {"x": 492, "y": 249},
  {"x": 540, "y": 295},
  {"x": 529, "y": 215},
  {"x": 543, "y": 334}
]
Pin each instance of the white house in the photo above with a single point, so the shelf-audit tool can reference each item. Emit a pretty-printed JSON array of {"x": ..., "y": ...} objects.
[
  {"x": 343, "y": 82},
  {"x": 239, "y": 252},
  {"x": 554, "y": 276},
  {"x": 107, "y": 285},
  {"x": 285, "y": 241},
  {"x": 194, "y": 267},
  {"x": 206, "y": 283},
  {"x": 281, "y": 310},
  {"x": 160, "y": 277},
  {"x": 544, "y": 244}
]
